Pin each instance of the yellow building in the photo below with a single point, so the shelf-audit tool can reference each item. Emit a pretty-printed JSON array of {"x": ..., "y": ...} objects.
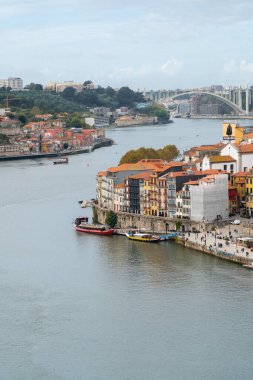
[
  {"x": 232, "y": 131},
  {"x": 249, "y": 193},
  {"x": 154, "y": 194},
  {"x": 238, "y": 180},
  {"x": 147, "y": 187}
]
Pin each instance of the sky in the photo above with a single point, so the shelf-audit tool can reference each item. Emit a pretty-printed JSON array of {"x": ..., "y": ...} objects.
[{"x": 144, "y": 44}]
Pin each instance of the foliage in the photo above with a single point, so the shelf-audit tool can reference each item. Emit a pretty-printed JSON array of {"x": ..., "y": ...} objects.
[
  {"x": 111, "y": 219},
  {"x": 34, "y": 87},
  {"x": 101, "y": 96},
  {"x": 68, "y": 93},
  {"x": 76, "y": 120},
  {"x": 167, "y": 153},
  {"x": 178, "y": 226},
  {"x": 22, "y": 102},
  {"x": 22, "y": 119},
  {"x": 162, "y": 114}
]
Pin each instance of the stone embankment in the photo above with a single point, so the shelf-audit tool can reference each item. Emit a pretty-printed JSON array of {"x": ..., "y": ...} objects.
[{"x": 223, "y": 245}]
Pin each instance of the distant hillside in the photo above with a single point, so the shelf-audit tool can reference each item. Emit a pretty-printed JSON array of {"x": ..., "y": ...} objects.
[{"x": 46, "y": 102}]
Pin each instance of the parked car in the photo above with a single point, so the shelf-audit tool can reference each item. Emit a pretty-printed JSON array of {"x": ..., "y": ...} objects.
[{"x": 236, "y": 222}]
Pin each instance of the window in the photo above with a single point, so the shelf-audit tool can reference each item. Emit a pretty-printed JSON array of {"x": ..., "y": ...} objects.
[
  {"x": 232, "y": 167},
  {"x": 225, "y": 167}
]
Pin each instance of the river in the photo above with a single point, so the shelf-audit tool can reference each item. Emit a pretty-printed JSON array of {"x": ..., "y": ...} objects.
[{"x": 77, "y": 307}]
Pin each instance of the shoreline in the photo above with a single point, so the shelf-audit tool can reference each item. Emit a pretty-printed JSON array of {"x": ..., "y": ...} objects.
[
  {"x": 223, "y": 245},
  {"x": 99, "y": 144}
]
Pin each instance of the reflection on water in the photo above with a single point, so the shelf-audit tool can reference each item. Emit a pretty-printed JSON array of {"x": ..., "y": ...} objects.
[{"x": 76, "y": 306}]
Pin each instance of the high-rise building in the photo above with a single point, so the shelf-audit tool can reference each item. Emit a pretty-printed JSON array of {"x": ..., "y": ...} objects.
[
  {"x": 15, "y": 83},
  {"x": 195, "y": 105}
]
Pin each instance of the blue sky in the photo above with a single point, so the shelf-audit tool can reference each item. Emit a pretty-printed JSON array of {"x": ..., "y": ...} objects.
[{"x": 143, "y": 44}]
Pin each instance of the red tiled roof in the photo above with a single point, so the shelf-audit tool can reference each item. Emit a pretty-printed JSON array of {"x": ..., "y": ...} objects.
[{"x": 246, "y": 148}]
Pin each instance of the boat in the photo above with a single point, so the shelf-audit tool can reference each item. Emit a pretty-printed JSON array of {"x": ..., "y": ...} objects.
[
  {"x": 168, "y": 236},
  {"x": 249, "y": 265},
  {"x": 82, "y": 225},
  {"x": 63, "y": 160},
  {"x": 138, "y": 236}
]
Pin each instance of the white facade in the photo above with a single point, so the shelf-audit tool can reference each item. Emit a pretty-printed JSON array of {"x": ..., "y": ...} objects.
[
  {"x": 119, "y": 192},
  {"x": 15, "y": 83},
  {"x": 209, "y": 199},
  {"x": 226, "y": 165},
  {"x": 246, "y": 161}
]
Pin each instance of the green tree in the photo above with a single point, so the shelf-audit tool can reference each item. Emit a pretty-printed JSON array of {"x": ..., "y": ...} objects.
[
  {"x": 34, "y": 87},
  {"x": 168, "y": 153},
  {"x": 111, "y": 219},
  {"x": 22, "y": 119},
  {"x": 68, "y": 93},
  {"x": 125, "y": 97}
]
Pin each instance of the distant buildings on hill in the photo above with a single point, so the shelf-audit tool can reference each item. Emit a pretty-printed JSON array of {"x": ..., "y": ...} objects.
[{"x": 15, "y": 84}]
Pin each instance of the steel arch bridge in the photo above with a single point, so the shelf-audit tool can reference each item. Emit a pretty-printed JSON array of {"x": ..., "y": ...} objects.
[{"x": 234, "y": 106}]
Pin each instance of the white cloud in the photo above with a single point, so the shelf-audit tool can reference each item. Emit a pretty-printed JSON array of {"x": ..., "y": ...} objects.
[{"x": 171, "y": 67}]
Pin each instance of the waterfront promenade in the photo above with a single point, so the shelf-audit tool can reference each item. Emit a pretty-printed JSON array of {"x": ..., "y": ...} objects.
[{"x": 224, "y": 242}]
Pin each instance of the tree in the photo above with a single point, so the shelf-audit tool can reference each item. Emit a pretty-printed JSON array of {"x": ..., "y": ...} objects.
[
  {"x": 168, "y": 153},
  {"x": 111, "y": 219},
  {"x": 22, "y": 119},
  {"x": 125, "y": 97},
  {"x": 68, "y": 93},
  {"x": 34, "y": 87}
]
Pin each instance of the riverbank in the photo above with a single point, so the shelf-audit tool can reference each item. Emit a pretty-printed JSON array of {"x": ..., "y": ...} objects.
[
  {"x": 96, "y": 145},
  {"x": 224, "y": 244}
]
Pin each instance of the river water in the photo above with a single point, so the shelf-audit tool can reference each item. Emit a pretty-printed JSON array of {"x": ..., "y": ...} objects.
[{"x": 75, "y": 307}]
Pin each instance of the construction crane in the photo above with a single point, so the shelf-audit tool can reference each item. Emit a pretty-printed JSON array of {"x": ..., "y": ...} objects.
[{"x": 8, "y": 99}]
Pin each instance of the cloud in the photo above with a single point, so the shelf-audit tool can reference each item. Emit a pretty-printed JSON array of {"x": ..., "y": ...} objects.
[{"x": 171, "y": 67}]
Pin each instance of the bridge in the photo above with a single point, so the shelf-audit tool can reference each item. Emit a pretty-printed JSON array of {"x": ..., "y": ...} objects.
[{"x": 239, "y": 99}]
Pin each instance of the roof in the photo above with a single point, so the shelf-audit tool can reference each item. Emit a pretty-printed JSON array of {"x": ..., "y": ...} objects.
[
  {"x": 120, "y": 186},
  {"x": 217, "y": 159},
  {"x": 213, "y": 171},
  {"x": 241, "y": 174},
  {"x": 192, "y": 182},
  {"x": 140, "y": 165},
  {"x": 143, "y": 175},
  {"x": 100, "y": 174},
  {"x": 248, "y": 135},
  {"x": 246, "y": 148}
]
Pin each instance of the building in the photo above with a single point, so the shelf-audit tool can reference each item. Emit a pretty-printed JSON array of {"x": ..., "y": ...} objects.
[
  {"x": 134, "y": 192},
  {"x": 195, "y": 104},
  {"x": 226, "y": 163},
  {"x": 209, "y": 109},
  {"x": 208, "y": 198},
  {"x": 97, "y": 121},
  {"x": 242, "y": 153},
  {"x": 16, "y": 84},
  {"x": 118, "y": 174},
  {"x": 198, "y": 152},
  {"x": 249, "y": 193},
  {"x": 238, "y": 180}
]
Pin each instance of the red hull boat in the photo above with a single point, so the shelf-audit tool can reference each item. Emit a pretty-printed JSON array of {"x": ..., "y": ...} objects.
[{"x": 82, "y": 225}]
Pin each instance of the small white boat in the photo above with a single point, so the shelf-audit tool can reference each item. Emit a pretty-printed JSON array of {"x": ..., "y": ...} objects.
[
  {"x": 63, "y": 160},
  {"x": 249, "y": 265}
]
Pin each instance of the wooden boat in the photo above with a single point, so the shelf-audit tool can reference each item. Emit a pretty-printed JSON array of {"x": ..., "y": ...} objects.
[
  {"x": 138, "y": 236},
  {"x": 82, "y": 225},
  {"x": 63, "y": 160}
]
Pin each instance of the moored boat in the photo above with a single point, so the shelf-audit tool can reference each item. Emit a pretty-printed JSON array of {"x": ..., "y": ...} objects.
[
  {"x": 82, "y": 225},
  {"x": 249, "y": 265},
  {"x": 63, "y": 160},
  {"x": 138, "y": 236}
]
